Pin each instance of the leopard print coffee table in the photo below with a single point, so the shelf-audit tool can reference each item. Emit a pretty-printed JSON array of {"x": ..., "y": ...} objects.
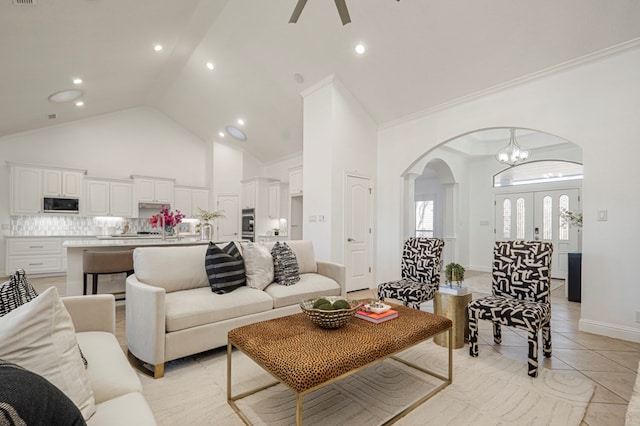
[{"x": 305, "y": 357}]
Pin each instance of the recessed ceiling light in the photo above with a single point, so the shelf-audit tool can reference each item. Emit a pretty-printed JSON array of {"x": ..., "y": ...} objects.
[
  {"x": 221, "y": 134},
  {"x": 79, "y": 103},
  {"x": 360, "y": 49},
  {"x": 157, "y": 47},
  {"x": 210, "y": 65},
  {"x": 236, "y": 133},
  {"x": 241, "y": 121},
  {"x": 77, "y": 81},
  {"x": 65, "y": 96}
]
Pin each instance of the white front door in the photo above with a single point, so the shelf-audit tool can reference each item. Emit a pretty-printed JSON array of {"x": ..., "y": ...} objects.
[
  {"x": 357, "y": 228},
  {"x": 536, "y": 216},
  {"x": 228, "y": 228},
  {"x": 549, "y": 226}
]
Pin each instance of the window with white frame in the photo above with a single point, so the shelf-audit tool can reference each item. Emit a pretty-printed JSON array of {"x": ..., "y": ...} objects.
[{"x": 424, "y": 219}]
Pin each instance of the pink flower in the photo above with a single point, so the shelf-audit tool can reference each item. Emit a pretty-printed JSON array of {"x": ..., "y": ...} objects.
[{"x": 170, "y": 218}]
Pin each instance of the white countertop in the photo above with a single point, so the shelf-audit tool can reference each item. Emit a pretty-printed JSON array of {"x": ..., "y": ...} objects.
[{"x": 131, "y": 242}]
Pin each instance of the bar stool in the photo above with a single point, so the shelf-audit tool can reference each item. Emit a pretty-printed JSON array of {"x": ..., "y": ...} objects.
[{"x": 105, "y": 262}]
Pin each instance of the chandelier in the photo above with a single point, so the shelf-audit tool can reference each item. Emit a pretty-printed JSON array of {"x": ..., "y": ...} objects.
[{"x": 513, "y": 153}]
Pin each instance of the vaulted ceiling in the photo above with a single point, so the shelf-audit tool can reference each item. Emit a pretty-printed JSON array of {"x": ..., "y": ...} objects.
[{"x": 419, "y": 54}]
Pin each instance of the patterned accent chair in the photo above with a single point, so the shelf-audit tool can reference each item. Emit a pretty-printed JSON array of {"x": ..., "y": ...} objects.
[
  {"x": 520, "y": 296},
  {"x": 421, "y": 262}
]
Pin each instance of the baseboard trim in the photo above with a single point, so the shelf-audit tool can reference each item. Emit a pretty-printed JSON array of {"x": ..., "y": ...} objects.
[
  {"x": 610, "y": 330},
  {"x": 479, "y": 268}
]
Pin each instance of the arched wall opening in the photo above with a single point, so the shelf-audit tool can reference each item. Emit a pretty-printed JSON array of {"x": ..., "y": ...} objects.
[
  {"x": 457, "y": 175},
  {"x": 593, "y": 104}
]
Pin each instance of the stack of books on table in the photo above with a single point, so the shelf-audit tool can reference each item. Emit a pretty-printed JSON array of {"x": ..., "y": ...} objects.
[
  {"x": 455, "y": 290},
  {"x": 377, "y": 318}
]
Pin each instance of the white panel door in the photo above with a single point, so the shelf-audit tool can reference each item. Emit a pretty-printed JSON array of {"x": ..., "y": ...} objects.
[
  {"x": 357, "y": 227},
  {"x": 536, "y": 216},
  {"x": 549, "y": 226},
  {"x": 514, "y": 216},
  {"x": 228, "y": 228}
]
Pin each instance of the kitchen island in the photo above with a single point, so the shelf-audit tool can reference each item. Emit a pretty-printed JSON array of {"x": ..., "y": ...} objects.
[{"x": 112, "y": 284}]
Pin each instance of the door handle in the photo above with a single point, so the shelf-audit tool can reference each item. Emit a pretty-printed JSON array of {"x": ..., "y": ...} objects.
[{"x": 350, "y": 239}]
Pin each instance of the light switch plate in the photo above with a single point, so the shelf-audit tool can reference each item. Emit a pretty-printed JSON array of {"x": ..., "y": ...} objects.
[{"x": 602, "y": 215}]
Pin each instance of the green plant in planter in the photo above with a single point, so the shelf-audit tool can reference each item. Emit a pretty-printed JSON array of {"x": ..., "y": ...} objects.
[{"x": 454, "y": 272}]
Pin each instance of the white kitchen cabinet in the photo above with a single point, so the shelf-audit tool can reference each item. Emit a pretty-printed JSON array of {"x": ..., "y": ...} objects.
[
  {"x": 190, "y": 200},
  {"x": 249, "y": 194},
  {"x": 199, "y": 200},
  {"x": 105, "y": 197},
  {"x": 62, "y": 183},
  {"x": 34, "y": 255},
  {"x": 25, "y": 190},
  {"x": 154, "y": 190},
  {"x": 256, "y": 194},
  {"x": 274, "y": 200},
  {"x": 295, "y": 182}
]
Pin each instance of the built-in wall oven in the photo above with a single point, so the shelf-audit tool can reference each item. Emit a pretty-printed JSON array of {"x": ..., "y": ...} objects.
[{"x": 248, "y": 224}]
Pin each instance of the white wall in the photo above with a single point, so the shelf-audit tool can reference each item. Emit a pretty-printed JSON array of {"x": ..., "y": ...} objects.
[
  {"x": 280, "y": 169},
  {"x": 339, "y": 139},
  {"x": 596, "y": 106}
]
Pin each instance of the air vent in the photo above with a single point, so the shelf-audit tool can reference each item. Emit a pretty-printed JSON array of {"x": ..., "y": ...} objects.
[
  {"x": 52, "y": 116},
  {"x": 25, "y": 2}
]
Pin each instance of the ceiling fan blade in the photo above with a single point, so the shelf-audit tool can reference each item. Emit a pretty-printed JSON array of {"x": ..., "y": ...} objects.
[
  {"x": 343, "y": 11},
  {"x": 297, "y": 11}
]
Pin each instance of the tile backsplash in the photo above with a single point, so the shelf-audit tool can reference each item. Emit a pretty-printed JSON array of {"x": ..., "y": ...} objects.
[{"x": 68, "y": 225}]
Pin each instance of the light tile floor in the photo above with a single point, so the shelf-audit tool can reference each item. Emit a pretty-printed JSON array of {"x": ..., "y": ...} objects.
[{"x": 611, "y": 364}]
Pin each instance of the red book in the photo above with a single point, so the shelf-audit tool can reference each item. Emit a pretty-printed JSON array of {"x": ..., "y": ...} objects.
[{"x": 377, "y": 318}]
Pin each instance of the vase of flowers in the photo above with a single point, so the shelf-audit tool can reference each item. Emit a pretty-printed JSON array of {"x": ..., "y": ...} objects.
[
  {"x": 167, "y": 220},
  {"x": 206, "y": 228}
]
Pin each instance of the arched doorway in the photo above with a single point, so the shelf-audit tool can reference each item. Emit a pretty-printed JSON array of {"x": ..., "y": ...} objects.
[{"x": 469, "y": 160}]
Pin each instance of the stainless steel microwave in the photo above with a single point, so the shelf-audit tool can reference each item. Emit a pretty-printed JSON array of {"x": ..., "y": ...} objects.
[{"x": 61, "y": 205}]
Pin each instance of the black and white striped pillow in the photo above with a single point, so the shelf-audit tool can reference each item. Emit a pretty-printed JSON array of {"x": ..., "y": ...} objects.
[
  {"x": 15, "y": 292},
  {"x": 285, "y": 264},
  {"x": 225, "y": 268}
]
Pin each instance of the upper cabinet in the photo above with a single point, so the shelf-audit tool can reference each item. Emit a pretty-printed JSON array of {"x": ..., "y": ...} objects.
[
  {"x": 153, "y": 190},
  {"x": 189, "y": 200},
  {"x": 274, "y": 200},
  {"x": 25, "y": 190},
  {"x": 249, "y": 194},
  {"x": 62, "y": 183},
  {"x": 106, "y": 197},
  {"x": 295, "y": 181},
  {"x": 29, "y": 184}
]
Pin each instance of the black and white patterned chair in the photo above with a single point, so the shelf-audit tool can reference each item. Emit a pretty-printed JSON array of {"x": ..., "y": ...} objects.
[
  {"x": 520, "y": 296},
  {"x": 421, "y": 261}
]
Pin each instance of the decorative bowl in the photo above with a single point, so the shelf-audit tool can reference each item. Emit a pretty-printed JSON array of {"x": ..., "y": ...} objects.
[
  {"x": 329, "y": 318},
  {"x": 376, "y": 307}
]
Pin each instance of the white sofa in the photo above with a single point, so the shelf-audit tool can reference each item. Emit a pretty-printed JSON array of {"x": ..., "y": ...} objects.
[
  {"x": 172, "y": 312},
  {"x": 116, "y": 387}
]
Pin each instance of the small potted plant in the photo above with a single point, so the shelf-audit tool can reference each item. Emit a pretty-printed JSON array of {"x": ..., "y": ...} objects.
[
  {"x": 276, "y": 231},
  {"x": 454, "y": 272}
]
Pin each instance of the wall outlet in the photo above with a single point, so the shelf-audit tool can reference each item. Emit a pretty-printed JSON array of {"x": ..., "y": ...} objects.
[{"x": 602, "y": 215}]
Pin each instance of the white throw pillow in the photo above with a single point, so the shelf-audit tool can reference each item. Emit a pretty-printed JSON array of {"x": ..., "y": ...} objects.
[
  {"x": 258, "y": 265},
  {"x": 39, "y": 336}
]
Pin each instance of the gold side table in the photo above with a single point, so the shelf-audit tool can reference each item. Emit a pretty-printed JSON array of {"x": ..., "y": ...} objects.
[{"x": 454, "y": 307}]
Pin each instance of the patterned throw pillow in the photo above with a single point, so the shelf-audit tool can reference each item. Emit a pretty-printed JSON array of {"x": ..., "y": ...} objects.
[
  {"x": 285, "y": 264},
  {"x": 15, "y": 292},
  {"x": 225, "y": 268}
]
